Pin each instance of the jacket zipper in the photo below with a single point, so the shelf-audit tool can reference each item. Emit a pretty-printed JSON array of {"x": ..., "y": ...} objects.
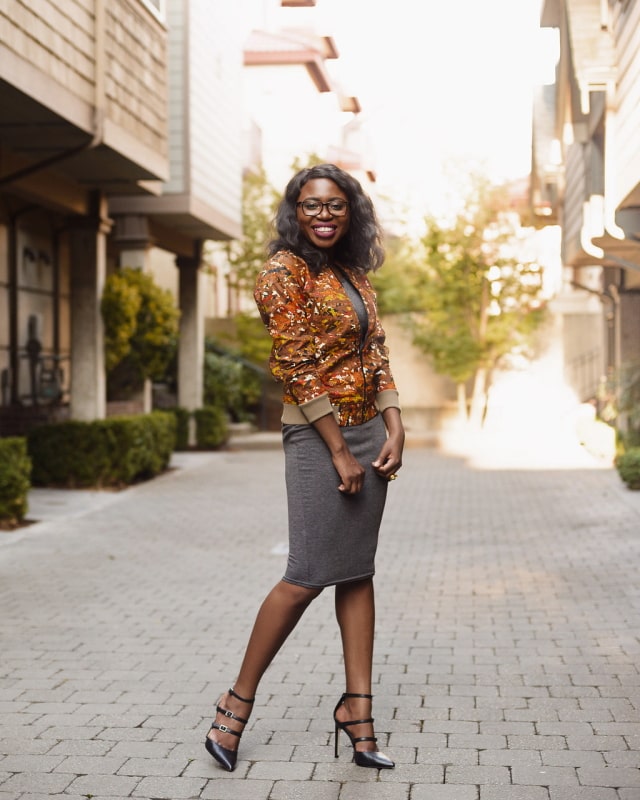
[{"x": 362, "y": 337}]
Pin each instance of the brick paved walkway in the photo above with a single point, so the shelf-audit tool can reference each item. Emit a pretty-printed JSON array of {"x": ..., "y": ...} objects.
[{"x": 507, "y": 662}]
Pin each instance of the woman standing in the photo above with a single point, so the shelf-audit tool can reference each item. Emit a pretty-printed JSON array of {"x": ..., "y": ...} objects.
[{"x": 343, "y": 440}]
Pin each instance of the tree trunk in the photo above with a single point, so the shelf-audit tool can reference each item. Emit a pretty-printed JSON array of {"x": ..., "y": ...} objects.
[
  {"x": 478, "y": 398},
  {"x": 462, "y": 402}
]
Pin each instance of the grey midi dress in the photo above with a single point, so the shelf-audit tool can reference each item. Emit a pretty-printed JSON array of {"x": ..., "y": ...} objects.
[{"x": 332, "y": 536}]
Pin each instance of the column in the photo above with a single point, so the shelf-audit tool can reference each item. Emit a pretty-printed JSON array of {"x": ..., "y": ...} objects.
[
  {"x": 133, "y": 241},
  {"x": 191, "y": 346},
  {"x": 88, "y": 254}
]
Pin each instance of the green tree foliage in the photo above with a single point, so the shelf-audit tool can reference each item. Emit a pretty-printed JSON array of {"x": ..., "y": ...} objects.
[
  {"x": 15, "y": 472},
  {"x": 253, "y": 338},
  {"x": 141, "y": 328},
  {"x": 467, "y": 297},
  {"x": 231, "y": 383},
  {"x": 120, "y": 305},
  {"x": 247, "y": 254}
]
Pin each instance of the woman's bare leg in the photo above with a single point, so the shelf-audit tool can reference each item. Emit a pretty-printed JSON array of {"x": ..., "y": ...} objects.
[
  {"x": 355, "y": 611},
  {"x": 277, "y": 617}
]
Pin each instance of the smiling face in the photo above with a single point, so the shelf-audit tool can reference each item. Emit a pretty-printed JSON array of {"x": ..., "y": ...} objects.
[{"x": 326, "y": 229}]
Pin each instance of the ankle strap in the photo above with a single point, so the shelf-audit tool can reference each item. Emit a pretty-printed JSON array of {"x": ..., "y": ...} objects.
[
  {"x": 241, "y": 699},
  {"x": 354, "y": 694}
]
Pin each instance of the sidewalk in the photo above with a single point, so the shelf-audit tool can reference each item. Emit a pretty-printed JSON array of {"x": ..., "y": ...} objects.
[{"x": 507, "y": 663}]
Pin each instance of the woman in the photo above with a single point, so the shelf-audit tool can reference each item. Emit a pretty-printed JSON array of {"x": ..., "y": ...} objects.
[{"x": 343, "y": 440}]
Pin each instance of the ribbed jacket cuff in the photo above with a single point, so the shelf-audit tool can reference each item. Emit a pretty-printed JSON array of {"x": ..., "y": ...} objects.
[
  {"x": 389, "y": 398},
  {"x": 307, "y": 412}
]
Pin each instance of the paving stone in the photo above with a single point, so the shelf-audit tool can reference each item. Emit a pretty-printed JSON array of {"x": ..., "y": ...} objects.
[
  {"x": 281, "y": 770},
  {"x": 24, "y": 746},
  {"x": 36, "y": 782},
  {"x": 169, "y": 767},
  {"x": 91, "y": 765},
  {"x": 584, "y": 793},
  {"x": 107, "y": 785},
  {"x": 222, "y": 789},
  {"x": 504, "y": 641},
  {"x": 544, "y": 776},
  {"x": 169, "y": 788},
  {"x": 30, "y": 763},
  {"x": 572, "y": 758},
  {"x": 513, "y": 793},
  {"x": 477, "y": 775},
  {"x": 364, "y": 791},
  {"x": 609, "y": 776},
  {"x": 304, "y": 790},
  {"x": 443, "y": 792}
]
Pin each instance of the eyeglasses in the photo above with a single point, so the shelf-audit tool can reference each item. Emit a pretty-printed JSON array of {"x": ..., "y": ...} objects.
[{"x": 311, "y": 208}]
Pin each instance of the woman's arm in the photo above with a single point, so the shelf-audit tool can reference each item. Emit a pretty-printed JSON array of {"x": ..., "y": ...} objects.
[
  {"x": 389, "y": 459},
  {"x": 349, "y": 469}
]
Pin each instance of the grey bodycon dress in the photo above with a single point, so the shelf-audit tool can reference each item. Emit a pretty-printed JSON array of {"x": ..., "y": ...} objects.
[{"x": 332, "y": 536}]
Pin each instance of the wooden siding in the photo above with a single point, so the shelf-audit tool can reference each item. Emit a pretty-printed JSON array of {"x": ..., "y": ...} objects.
[
  {"x": 56, "y": 38},
  {"x": 627, "y": 140},
  {"x": 177, "y": 183},
  {"x": 575, "y": 193},
  {"x": 215, "y": 105},
  {"x": 59, "y": 41},
  {"x": 136, "y": 80}
]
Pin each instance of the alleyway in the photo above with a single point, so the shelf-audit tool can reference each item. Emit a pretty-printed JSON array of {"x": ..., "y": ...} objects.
[{"x": 507, "y": 662}]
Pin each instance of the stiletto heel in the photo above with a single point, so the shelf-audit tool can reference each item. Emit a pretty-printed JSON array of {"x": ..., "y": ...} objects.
[
  {"x": 363, "y": 758},
  {"x": 223, "y": 755}
]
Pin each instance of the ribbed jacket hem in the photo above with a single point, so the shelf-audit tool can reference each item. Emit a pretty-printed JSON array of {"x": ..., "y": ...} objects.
[{"x": 308, "y": 413}]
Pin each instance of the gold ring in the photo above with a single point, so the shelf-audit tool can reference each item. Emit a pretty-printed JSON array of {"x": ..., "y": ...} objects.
[{"x": 392, "y": 477}]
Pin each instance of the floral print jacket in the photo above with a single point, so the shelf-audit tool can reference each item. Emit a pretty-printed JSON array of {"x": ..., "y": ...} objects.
[{"x": 319, "y": 352}]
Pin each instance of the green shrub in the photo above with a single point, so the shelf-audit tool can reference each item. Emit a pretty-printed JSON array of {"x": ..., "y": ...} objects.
[
  {"x": 15, "y": 468},
  {"x": 141, "y": 330},
  {"x": 628, "y": 466},
  {"x": 212, "y": 427},
  {"x": 231, "y": 383},
  {"x": 109, "y": 452},
  {"x": 182, "y": 416}
]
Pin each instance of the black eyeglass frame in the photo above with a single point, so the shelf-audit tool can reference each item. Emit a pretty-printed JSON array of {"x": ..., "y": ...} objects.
[{"x": 341, "y": 213}]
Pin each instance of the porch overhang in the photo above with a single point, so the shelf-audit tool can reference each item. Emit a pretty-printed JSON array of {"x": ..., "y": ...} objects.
[
  {"x": 34, "y": 138},
  {"x": 184, "y": 214}
]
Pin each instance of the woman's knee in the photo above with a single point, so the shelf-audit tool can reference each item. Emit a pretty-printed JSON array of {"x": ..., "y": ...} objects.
[{"x": 298, "y": 595}]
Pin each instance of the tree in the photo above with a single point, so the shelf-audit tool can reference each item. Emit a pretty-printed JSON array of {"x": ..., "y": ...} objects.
[
  {"x": 141, "y": 330},
  {"x": 467, "y": 298},
  {"x": 246, "y": 255}
]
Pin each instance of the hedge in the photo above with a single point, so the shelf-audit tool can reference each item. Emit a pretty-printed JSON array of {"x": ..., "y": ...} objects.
[
  {"x": 628, "y": 466},
  {"x": 182, "y": 416},
  {"x": 212, "y": 427},
  {"x": 109, "y": 452},
  {"x": 15, "y": 468}
]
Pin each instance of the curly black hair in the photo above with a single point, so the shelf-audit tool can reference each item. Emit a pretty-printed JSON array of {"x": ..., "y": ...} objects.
[{"x": 360, "y": 249}]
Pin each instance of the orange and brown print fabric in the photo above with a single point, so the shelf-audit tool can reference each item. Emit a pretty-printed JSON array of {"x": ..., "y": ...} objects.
[{"x": 318, "y": 352}]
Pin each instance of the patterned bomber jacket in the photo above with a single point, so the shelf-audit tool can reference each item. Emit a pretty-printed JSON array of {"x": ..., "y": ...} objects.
[{"x": 319, "y": 351}]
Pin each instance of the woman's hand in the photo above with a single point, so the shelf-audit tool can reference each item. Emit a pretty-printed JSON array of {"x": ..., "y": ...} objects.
[
  {"x": 389, "y": 459},
  {"x": 349, "y": 469}
]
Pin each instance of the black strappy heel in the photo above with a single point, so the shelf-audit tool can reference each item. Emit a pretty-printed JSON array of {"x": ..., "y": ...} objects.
[
  {"x": 223, "y": 755},
  {"x": 363, "y": 758}
]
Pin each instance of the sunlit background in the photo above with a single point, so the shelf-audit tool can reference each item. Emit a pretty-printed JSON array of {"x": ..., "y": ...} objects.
[
  {"x": 444, "y": 88},
  {"x": 439, "y": 84}
]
